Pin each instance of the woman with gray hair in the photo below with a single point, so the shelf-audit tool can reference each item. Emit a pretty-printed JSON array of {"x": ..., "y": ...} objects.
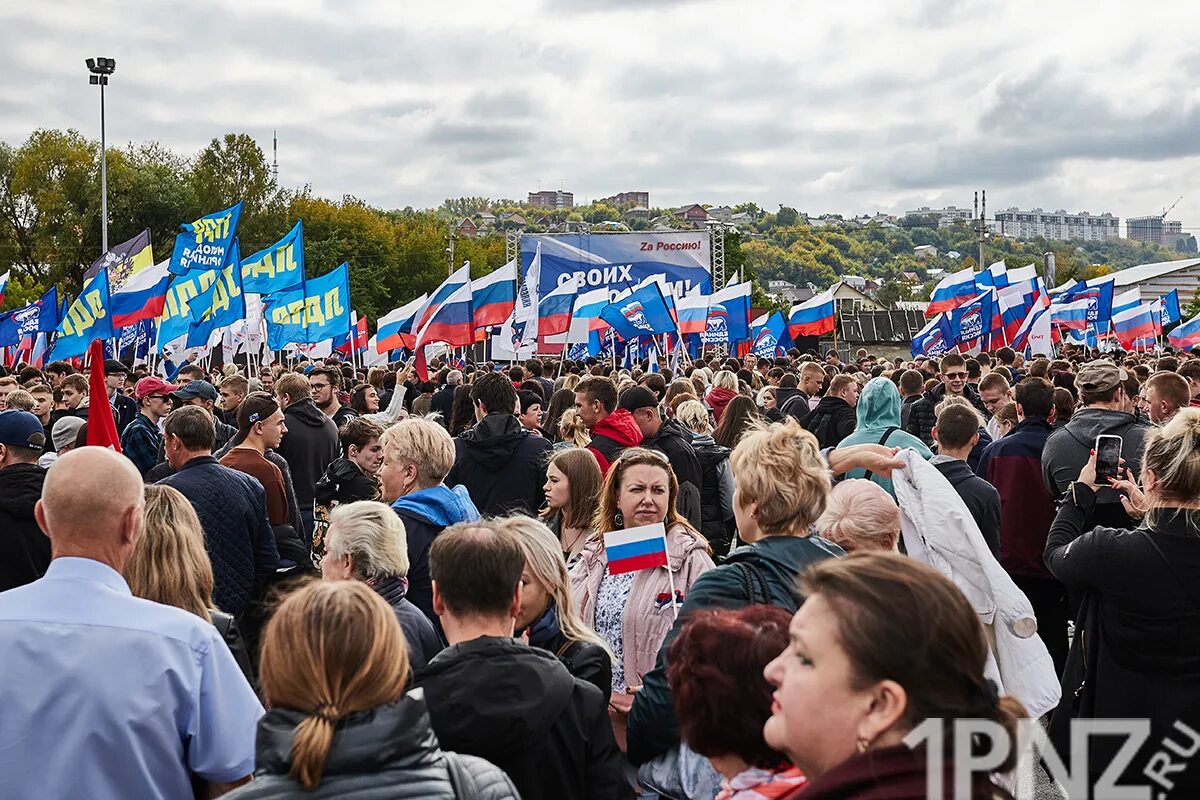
[{"x": 366, "y": 542}]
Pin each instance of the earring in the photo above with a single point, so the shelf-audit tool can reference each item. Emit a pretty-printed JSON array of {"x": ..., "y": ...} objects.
[
  {"x": 619, "y": 520},
  {"x": 863, "y": 743}
]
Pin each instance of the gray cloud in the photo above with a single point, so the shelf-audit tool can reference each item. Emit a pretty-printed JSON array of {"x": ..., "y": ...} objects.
[{"x": 823, "y": 108}]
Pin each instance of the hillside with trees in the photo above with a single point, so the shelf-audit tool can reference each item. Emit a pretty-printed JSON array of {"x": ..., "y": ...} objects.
[{"x": 50, "y": 226}]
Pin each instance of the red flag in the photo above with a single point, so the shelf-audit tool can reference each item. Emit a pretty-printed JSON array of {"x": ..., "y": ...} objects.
[
  {"x": 360, "y": 342},
  {"x": 101, "y": 429}
]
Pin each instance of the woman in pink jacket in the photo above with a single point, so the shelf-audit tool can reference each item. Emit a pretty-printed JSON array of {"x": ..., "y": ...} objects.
[{"x": 633, "y": 611}]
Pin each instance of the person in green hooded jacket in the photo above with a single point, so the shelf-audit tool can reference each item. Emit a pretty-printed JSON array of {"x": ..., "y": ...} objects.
[{"x": 878, "y": 413}]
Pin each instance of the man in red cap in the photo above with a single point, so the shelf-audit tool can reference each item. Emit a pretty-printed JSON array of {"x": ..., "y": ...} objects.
[{"x": 142, "y": 441}]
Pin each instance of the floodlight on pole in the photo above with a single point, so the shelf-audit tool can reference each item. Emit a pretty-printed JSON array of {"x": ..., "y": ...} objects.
[{"x": 100, "y": 69}]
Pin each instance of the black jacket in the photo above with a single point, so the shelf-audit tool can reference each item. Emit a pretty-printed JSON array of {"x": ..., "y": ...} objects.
[
  {"x": 1140, "y": 622},
  {"x": 980, "y": 497},
  {"x": 386, "y": 752},
  {"x": 425, "y": 514},
  {"x": 424, "y": 642},
  {"x": 921, "y": 416},
  {"x": 796, "y": 405},
  {"x": 519, "y": 708},
  {"x": 502, "y": 465},
  {"x": 831, "y": 421},
  {"x": 675, "y": 442},
  {"x": 125, "y": 408},
  {"x": 232, "y": 509},
  {"x": 442, "y": 403},
  {"x": 310, "y": 444},
  {"x": 24, "y": 549},
  {"x": 343, "y": 482},
  {"x": 587, "y": 661},
  {"x": 716, "y": 529}
]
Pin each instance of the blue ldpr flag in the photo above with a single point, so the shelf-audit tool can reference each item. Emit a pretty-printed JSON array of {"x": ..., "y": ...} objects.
[
  {"x": 206, "y": 243},
  {"x": 318, "y": 311},
  {"x": 641, "y": 313},
  {"x": 86, "y": 319},
  {"x": 278, "y": 267}
]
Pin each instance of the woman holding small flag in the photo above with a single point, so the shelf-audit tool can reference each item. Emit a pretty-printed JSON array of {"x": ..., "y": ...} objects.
[{"x": 637, "y": 569}]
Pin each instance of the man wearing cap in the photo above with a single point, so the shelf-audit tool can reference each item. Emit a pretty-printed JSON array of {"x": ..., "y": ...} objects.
[
  {"x": 204, "y": 394},
  {"x": 24, "y": 549},
  {"x": 1106, "y": 410},
  {"x": 62, "y": 437},
  {"x": 671, "y": 439},
  {"x": 142, "y": 441},
  {"x": 124, "y": 407}
]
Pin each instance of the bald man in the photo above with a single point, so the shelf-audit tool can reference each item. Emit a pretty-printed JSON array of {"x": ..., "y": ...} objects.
[{"x": 106, "y": 695}]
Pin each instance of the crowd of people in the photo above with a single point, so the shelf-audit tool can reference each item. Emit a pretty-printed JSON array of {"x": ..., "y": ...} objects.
[{"x": 318, "y": 580}]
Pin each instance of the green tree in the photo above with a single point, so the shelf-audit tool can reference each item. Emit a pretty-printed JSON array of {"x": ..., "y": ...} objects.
[{"x": 787, "y": 216}]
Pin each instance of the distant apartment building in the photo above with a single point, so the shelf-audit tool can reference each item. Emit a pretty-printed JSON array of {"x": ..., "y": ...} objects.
[
  {"x": 1058, "y": 224},
  {"x": 637, "y": 199},
  {"x": 1154, "y": 229},
  {"x": 556, "y": 199},
  {"x": 945, "y": 216}
]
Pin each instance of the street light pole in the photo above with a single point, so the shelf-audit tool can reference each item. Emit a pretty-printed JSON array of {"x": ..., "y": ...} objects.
[{"x": 101, "y": 68}]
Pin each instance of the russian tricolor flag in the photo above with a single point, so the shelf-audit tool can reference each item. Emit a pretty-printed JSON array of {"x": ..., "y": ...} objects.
[
  {"x": 494, "y": 295},
  {"x": 813, "y": 317},
  {"x": 952, "y": 291},
  {"x": 636, "y": 548},
  {"x": 142, "y": 297},
  {"x": 995, "y": 276},
  {"x": 1187, "y": 335},
  {"x": 4, "y": 283},
  {"x": 460, "y": 278},
  {"x": 554, "y": 310},
  {"x": 1133, "y": 324},
  {"x": 585, "y": 318},
  {"x": 692, "y": 311},
  {"x": 452, "y": 323},
  {"x": 1126, "y": 301},
  {"x": 1073, "y": 315},
  {"x": 395, "y": 327}
]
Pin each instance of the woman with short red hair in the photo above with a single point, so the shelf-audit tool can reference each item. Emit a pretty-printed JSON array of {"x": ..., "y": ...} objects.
[{"x": 722, "y": 699}]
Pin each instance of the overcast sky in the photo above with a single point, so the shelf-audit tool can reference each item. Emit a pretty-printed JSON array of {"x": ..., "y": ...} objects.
[{"x": 827, "y": 107}]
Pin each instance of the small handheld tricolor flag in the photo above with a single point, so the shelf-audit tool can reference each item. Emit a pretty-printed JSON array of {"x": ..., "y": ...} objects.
[{"x": 636, "y": 548}]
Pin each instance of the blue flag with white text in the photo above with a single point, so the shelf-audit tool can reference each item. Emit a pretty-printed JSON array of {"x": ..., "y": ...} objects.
[
  {"x": 278, "y": 267},
  {"x": 317, "y": 311},
  {"x": 206, "y": 243}
]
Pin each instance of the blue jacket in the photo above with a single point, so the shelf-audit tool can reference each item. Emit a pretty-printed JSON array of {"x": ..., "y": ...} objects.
[
  {"x": 232, "y": 508},
  {"x": 425, "y": 514}
]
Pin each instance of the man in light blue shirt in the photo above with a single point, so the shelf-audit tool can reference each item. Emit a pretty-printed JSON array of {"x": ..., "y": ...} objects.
[{"x": 102, "y": 694}]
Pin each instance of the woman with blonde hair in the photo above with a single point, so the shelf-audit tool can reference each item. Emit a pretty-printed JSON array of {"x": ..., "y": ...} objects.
[
  {"x": 571, "y": 430},
  {"x": 632, "y": 611},
  {"x": 170, "y": 565},
  {"x": 334, "y": 669},
  {"x": 781, "y": 485},
  {"x": 572, "y": 495},
  {"x": 860, "y": 515},
  {"x": 548, "y": 614}
]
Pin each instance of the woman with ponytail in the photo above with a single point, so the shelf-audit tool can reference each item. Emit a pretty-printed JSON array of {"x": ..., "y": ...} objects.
[
  {"x": 882, "y": 645},
  {"x": 334, "y": 669},
  {"x": 1138, "y": 653}
]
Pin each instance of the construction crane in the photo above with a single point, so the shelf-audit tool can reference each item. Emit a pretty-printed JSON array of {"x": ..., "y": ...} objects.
[{"x": 1168, "y": 209}]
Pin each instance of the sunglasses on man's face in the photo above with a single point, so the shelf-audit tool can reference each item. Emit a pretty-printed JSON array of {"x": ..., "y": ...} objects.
[{"x": 956, "y": 376}]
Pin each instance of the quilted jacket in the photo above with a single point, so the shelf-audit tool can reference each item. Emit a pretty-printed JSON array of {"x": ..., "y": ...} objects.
[{"x": 233, "y": 513}]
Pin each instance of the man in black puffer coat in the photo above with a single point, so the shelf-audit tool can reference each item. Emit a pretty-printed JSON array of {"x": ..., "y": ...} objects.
[
  {"x": 834, "y": 417},
  {"x": 24, "y": 549},
  {"x": 502, "y": 465},
  {"x": 310, "y": 444}
]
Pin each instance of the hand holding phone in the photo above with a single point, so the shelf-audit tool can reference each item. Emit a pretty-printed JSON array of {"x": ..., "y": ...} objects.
[{"x": 1108, "y": 458}]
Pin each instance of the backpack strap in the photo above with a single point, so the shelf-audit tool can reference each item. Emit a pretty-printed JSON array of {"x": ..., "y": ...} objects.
[
  {"x": 883, "y": 440},
  {"x": 462, "y": 782}
]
